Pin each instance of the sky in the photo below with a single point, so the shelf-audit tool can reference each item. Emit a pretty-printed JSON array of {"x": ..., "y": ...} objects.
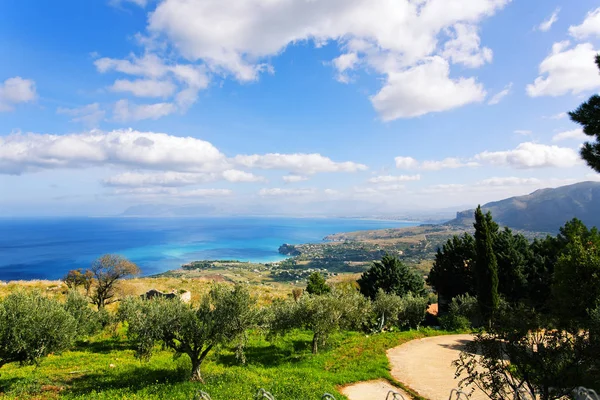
[{"x": 296, "y": 107}]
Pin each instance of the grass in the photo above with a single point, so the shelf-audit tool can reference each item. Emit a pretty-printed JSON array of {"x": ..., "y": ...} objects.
[{"x": 105, "y": 368}]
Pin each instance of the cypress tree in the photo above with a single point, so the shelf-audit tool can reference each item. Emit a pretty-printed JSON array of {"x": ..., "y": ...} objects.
[{"x": 486, "y": 266}]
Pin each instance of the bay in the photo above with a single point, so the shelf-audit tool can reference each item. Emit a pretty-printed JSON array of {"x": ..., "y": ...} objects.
[{"x": 47, "y": 248}]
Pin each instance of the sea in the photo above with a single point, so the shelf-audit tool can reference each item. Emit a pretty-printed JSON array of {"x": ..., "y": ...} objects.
[{"x": 47, "y": 248}]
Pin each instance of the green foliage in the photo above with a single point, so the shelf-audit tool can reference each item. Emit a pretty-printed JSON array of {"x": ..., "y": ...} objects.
[
  {"x": 33, "y": 326},
  {"x": 392, "y": 276},
  {"x": 317, "y": 284},
  {"x": 486, "y": 267},
  {"x": 577, "y": 281},
  {"x": 386, "y": 310},
  {"x": 452, "y": 271},
  {"x": 588, "y": 116},
  {"x": 412, "y": 312},
  {"x": 87, "y": 321},
  {"x": 223, "y": 316},
  {"x": 323, "y": 315},
  {"x": 512, "y": 253},
  {"x": 463, "y": 314},
  {"x": 518, "y": 354}
]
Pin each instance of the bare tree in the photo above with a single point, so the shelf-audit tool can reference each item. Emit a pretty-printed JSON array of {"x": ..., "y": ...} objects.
[{"x": 107, "y": 271}]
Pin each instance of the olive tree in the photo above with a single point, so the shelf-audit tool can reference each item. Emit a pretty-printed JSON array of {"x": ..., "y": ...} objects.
[
  {"x": 223, "y": 316},
  {"x": 33, "y": 326},
  {"x": 107, "y": 271},
  {"x": 321, "y": 314},
  {"x": 87, "y": 321}
]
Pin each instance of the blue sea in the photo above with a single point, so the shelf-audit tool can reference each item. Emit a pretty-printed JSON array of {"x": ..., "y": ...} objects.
[{"x": 47, "y": 248}]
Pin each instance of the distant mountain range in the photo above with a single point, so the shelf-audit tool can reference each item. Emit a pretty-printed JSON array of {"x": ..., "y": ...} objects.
[{"x": 544, "y": 210}]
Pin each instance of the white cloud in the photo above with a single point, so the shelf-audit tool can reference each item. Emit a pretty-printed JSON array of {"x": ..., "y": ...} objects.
[
  {"x": 90, "y": 115},
  {"x": 559, "y": 115},
  {"x": 21, "y": 153},
  {"x": 509, "y": 181},
  {"x": 447, "y": 163},
  {"x": 406, "y": 163},
  {"x": 206, "y": 193},
  {"x": 394, "y": 38},
  {"x": 532, "y": 155},
  {"x": 14, "y": 91},
  {"x": 235, "y": 175},
  {"x": 423, "y": 89},
  {"x": 392, "y": 178},
  {"x": 285, "y": 192},
  {"x": 157, "y": 192},
  {"x": 294, "y": 178},
  {"x": 547, "y": 24},
  {"x": 566, "y": 70},
  {"x": 465, "y": 47},
  {"x": 574, "y": 134},
  {"x": 589, "y": 27},
  {"x": 140, "y": 3},
  {"x": 497, "y": 98},
  {"x": 144, "y": 87},
  {"x": 523, "y": 132},
  {"x": 163, "y": 179},
  {"x": 300, "y": 162},
  {"x": 123, "y": 111}
]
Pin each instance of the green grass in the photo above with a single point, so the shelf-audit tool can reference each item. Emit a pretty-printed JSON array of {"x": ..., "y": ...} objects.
[{"x": 284, "y": 367}]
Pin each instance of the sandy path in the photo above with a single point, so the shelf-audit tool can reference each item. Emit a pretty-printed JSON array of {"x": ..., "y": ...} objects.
[
  {"x": 425, "y": 365},
  {"x": 371, "y": 390}
]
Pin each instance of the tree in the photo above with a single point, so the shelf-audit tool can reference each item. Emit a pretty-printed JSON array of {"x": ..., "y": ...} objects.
[
  {"x": 223, "y": 316},
  {"x": 452, "y": 274},
  {"x": 86, "y": 320},
  {"x": 33, "y": 326},
  {"x": 588, "y": 115},
  {"x": 392, "y": 276},
  {"x": 323, "y": 315},
  {"x": 486, "y": 270},
  {"x": 78, "y": 277},
  {"x": 317, "y": 284},
  {"x": 576, "y": 286},
  {"x": 512, "y": 253},
  {"x": 107, "y": 271}
]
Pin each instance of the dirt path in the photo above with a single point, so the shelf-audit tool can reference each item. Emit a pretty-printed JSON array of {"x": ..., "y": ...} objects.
[
  {"x": 371, "y": 390},
  {"x": 425, "y": 365}
]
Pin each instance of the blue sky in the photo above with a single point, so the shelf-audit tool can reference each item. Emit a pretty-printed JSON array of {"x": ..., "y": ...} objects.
[{"x": 337, "y": 107}]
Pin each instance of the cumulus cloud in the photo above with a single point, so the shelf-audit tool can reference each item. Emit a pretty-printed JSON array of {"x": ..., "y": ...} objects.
[
  {"x": 140, "y": 3},
  {"x": 285, "y": 192},
  {"x": 14, "y": 91},
  {"x": 497, "y": 98},
  {"x": 566, "y": 70},
  {"x": 423, "y": 89},
  {"x": 124, "y": 111},
  {"x": 574, "y": 134},
  {"x": 144, "y": 87},
  {"x": 508, "y": 181},
  {"x": 559, "y": 115},
  {"x": 300, "y": 162},
  {"x": 393, "y": 179},
  {"x": 547, "y": 24},
  {"x": 589, "y": 27},
  {"x": 398, "y": 39},
  {"x": 465, "y": 47},
  {"x": 21, "y": 153},
  {"x": 532, "y": 155},
  {"x": 158, "y": 79},
  {"x": 294, "y": 178},
  {"x": 523, "y": 132},
  {"x": 174, "y": 178},
  {"x": 434, "y": 165},
  {"x": 157, "y": 192},
  {"x": 90, "y": 115}
]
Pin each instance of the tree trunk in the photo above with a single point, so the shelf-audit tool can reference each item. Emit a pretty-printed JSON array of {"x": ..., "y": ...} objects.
[
  {"x": 196, "y": 375},
  {"x": 315, "y": 344}
]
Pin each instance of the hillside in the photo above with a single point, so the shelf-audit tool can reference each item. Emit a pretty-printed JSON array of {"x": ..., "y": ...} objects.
[{"x": 544, "y": 210}]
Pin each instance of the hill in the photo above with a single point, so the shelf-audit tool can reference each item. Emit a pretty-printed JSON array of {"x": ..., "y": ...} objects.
[{"x": 544, "y": 210}]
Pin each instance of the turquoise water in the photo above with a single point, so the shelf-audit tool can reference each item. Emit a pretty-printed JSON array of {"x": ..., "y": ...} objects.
[{"x": 48, "y": 248}]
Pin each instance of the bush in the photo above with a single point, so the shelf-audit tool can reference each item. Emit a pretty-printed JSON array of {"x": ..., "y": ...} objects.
[
  {"x": 87, "y": 321},
  {"x": 33, "y": 326},
  {"x": 463, "y": 314},
  {"x": 454, "y": 322},
  {"x": 317, "y": 284},
  {"x": 413, "y": 310}
]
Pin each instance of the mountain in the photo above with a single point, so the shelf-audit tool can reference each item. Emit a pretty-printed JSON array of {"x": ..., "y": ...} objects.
[{"x": 544, "y": 210}]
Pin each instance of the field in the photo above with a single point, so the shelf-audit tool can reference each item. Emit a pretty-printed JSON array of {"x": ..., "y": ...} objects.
[{"x": 105, "y": 368}]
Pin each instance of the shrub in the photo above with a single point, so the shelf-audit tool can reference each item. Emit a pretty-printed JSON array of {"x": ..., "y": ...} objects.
[
  {"x": 32, "y": 326},
  {"x": 87, "y": 321},
  {"x": 386, "y": 310},
  {"x": 317, "y": 284},
  {"x": 413, "y": 310}
]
